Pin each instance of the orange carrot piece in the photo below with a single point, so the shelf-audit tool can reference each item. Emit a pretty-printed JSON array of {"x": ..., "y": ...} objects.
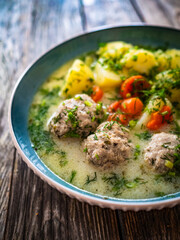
[
  {"x": 132, "y": 106},
  {"x": 97, "y": 93},
  {"x": 159, "y": 118},
  {"x": 133, "y": 85},
  {"x": 121, "y": 118},
  {"x": 114, "y": 106}
]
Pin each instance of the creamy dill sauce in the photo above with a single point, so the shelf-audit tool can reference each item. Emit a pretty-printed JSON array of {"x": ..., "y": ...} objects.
[{"x": 67, "y": 159}]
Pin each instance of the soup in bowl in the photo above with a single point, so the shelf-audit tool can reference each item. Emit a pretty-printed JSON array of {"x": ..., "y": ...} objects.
[{"x": 101, "y": 122}]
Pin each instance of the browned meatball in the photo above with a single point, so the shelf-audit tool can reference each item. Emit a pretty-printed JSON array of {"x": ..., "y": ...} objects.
[
  {"x": 160, "y": 150},
  {"x": 108, "y": 146},
  {"x": 76, "y": 117}
]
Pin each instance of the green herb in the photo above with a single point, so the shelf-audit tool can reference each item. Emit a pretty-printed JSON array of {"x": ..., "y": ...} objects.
[
  {"x": 173, "y": 174},
  {"x": 97, "y": 156},
  {"x": 159, "y": 194},
  {"x": 132, "y": 123},
  {"x": 72, "y": 134},
  {"x": 164, "y": 113},
  {"x": 57, "y": 118},
  {"x": 131, "y": 184},
  {"x": 63, "y": 162},
  {"x": 90, "y": 180},
  {"x": 78, "y": 98},
  {"x": 112, "y": 64},
  {"x": 113, "y": 98},
  {"x": 93, "y": 119},
  {"x": 134, "y": 58},
  {"x": 66, "y": 90},
  {"x": 91, "y": 80},
  {"x": 135, "y": 182},
  {"x": 88, "y": 91},
  {"x": 144, "y": 135},
  {"x": 102, "y": 44},
  {"x": 72, "y": 117},
  {"x": 85, "y": 149},
  {"x": 176, "y": 128},
  {"x": 109, "y": 125},
  {"x": 137, "y": 152},
  {"x": 166, "y": 145},
  {"x": 50, "y": 94},
  {"x": 115, "y": 181},
  {"x": 171, "y": 80},
  {"x": 40, "y": 138},
  {"x": 95, "y": 137},
  {"x": 87, "y": 103},
  {"x": 99, "y": 107},
  {"x": 73, "y": 174}
]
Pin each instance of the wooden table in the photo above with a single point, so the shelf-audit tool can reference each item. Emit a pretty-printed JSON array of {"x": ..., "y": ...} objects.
[{"x": 30, "y": 208}]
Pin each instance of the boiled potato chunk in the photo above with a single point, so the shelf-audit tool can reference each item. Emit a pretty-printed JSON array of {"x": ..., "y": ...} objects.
[
  {"x": 114, "y": 49},
  {"x": 139, "y": 60},
  {"x": 170, "y": 80},
  {"x": 163, "y": 59},
  {"x": 175, "y": 58},
  {"x": 78, "y": 79},
  {"x": 106, "y": 78}
]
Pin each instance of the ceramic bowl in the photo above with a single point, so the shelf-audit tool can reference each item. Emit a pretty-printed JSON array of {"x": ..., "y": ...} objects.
[{"x": 38, "y": 72}]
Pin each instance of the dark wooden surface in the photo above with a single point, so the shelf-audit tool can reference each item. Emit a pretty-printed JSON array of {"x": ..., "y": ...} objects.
[{"x": 29, "y": 208}]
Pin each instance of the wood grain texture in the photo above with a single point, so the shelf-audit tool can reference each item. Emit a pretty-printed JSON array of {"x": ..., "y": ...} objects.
[
  {"x": 102, "y": 12},
  {"x": 159, "y": 12},
  {"x": 30, "y": 208},
  {"x": 163, "y": 224}
]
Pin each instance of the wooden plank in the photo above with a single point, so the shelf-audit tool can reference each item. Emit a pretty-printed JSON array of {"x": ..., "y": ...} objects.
[
  {"x": 9, "y": 62},
  {"x": 28, "y": 28},
  {"x": 163, "y": 224},
  {"x": 38, "y": 211},
  {"x": 172, "y": 11},
  {"x": 158, "y": 12},
  {"x": 102, "y": 12}
]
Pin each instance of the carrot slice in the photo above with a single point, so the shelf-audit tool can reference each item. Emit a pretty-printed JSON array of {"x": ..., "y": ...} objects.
[
  {"x": 159, "y": 118},
  {"x": 121, "y": 118},
  {"x": 167, "y": 114},
  {"x": 132, "y": 106},
  {"x": 97, "y": 93},
  {"x": 155, "y": 122},
  {"x": 132, "y": 86},
  {"x": 114, "y": 106}
]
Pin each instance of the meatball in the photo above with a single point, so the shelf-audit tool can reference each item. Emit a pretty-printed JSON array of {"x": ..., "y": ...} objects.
[
  {"x": 160, "y": 150},
  {"x": 76, "y": 117},
  {"x": 108, "y": 146}
]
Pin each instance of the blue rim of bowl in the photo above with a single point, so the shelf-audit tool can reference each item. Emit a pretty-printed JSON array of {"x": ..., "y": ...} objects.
[{"x": 54, "y": 180}]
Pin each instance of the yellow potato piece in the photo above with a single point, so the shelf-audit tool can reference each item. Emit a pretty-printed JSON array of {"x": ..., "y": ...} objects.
[
  {"x": 168, "y": 78},
  {"x": 106, "y": 78},
  {"x": 114, "y": 49},
  {"x": 175, "y": 57},
  {"x": 163, "y": 59},
  {"x": 78, "y": 79},
  {"x": 139, "y": 60}
]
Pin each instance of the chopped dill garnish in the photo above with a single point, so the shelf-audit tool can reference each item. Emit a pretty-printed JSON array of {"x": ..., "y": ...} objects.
[
  {"x": 73, "y": 174},
  {"x": 144, "y": 135},
  {"x": 137, "y": 152},
  {"x": 90, "y": 180}
]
